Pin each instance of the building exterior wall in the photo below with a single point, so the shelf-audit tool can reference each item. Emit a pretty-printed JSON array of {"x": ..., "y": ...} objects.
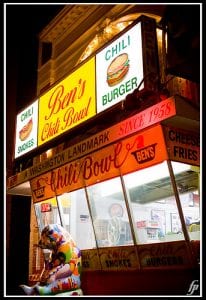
[
  {"x": 70, "y": 33},
  {"x": 69, "y": 38}
]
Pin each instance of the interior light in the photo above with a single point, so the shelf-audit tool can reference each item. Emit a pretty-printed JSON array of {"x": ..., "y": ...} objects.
[
  {"x": 140, "y": 177},
  {"x": 144, "y": 176},
  {"x": 153, "y": 173},
  {"x": 49, "y": 153},
  {"x": 180, "y": 167},
  {"x": 108, "y": 187}
]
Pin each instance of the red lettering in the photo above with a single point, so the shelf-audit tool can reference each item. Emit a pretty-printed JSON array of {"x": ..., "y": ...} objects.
[
  {"x": 60, "y": 101},
  {"x": 69, "y": 98},
  {"x": 72, "y": 117},
  {"x": 161, "y": 250},
  {"x": 55, "y": 101},
  {"x": 50, "y": 129},
  {"x": 87, "y": 171},
  {"x": 88, "y": 167},
  {"x": 81, "y": 88}
]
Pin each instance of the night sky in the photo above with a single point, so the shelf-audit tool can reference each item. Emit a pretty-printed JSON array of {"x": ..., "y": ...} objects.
[{"x": 23, "y": 24}]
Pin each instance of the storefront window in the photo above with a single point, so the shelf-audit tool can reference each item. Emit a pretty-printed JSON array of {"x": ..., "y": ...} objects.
[
  {"x": 98, "y": 215},
  {"x": 153, "y": 203},
  {"x": 47, "y": 213},
  {"x": 109, "y": 214},
  {"x": 76, "y": 218},
  {"x": 187, "y": 180}
]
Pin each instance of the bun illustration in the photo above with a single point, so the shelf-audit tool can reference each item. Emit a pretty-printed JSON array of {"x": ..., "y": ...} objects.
[
  {"x": 117, "y": 70},
  {"x": 26, "y": 130}
]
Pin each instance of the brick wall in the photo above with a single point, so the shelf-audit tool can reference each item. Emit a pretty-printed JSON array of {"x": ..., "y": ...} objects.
[{"x": 36, "y": 259}]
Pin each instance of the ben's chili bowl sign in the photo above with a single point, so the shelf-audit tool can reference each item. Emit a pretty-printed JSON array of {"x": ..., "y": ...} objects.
[
  {"x": 68, "y": 104},
  {"x": 119, "y": 68},
  {"x": 107, "y": 163}
]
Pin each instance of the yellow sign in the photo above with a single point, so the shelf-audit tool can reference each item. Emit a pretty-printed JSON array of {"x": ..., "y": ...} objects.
[{"x": 67, "y": 104}]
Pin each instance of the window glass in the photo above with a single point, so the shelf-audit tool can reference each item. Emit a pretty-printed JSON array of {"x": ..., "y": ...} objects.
[
  {"x": 153, "y": 205},
  {"x": 47, "y": 213},
  {"x": 187, "y": 180},
  {"x": 76, "y": 218},
  {"x": 109, "y": 214}
]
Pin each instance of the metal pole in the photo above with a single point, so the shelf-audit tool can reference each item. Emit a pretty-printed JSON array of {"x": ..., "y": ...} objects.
[
  {"x": 182, "y": 219},
  {"x": 92, "y": 221},
  {"x": 128, "y": 210}
]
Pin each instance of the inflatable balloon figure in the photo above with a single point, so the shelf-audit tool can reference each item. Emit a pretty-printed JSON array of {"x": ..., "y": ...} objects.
[{"x": 62, "y": 271}]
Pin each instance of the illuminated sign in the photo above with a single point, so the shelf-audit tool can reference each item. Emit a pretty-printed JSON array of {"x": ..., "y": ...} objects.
[
  {"x": 119, "y": 68},
  {"x": 150, "y": 116},
  {"x": 26, "y": 130},
  {"x": 129, "y": 63},
  {"x": 109, "y": 162},
  {"x": 183, "y": 145},
  {"x": 104, "y": 80},
  {"x": 68, "y": 104}
]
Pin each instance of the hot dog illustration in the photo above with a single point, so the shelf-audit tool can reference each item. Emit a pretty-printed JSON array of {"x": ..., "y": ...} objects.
[{"x": 26, "y": 130}]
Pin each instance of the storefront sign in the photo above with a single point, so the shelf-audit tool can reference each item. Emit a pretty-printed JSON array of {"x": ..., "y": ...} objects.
[
  {"x": 157, "y": 255},
  {"x": 119, "y": 68},
  {"x": 164, "y": 255},
  {"x": 26, "y": 130},
  {"x": 150, "y": 116},
  {"x": 68, "y": 104},
  {"x": 128, "y": 63},
  {"x": 136, "y": 152},
  {"x": 183, "y": 146},
  {"x": 125, "y": 64},
  {"x": 119, "y": 258},
  {"x": 90, "y": 260}
]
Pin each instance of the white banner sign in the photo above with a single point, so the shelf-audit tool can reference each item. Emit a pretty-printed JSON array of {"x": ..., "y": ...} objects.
[
  {"x": 119, "y": 68},
  {"x": 26, "y": 130}
]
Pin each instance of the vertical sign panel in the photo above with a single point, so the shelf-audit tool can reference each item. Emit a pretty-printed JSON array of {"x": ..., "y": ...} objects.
[
  {"x": 67, "y": 104},
  {"x": 26, "y": 130},
  {"x": 183, "y": 145},
  {"x": 119, "y": 68}
]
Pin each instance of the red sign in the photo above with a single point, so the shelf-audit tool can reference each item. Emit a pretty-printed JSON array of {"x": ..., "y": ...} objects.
[
  {"x": 45, "y": 207},
  {"x": 141, "y": 224}
]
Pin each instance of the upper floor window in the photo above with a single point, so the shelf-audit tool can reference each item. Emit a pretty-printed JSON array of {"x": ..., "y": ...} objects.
[{"x": 46, "y": 52}]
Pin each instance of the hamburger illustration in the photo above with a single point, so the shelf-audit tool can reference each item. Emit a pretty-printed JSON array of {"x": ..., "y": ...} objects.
[
  {"x": 117, "y": 69},
  {"x": 26, "y": 130}
]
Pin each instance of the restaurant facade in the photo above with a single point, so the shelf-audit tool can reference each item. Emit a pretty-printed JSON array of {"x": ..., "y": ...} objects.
[{"x": 114, "y": 145}]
